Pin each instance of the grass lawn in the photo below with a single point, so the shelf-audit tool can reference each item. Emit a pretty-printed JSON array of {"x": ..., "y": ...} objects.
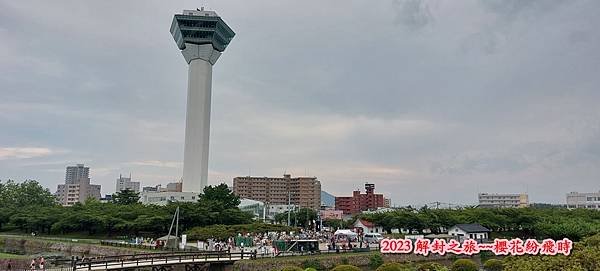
[
  {"x": 59, "y": 238},
  {"x": 12, "y": 256}
]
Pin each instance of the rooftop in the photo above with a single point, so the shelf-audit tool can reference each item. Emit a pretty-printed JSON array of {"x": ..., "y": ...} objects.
[{"x": 469, "y": 228}]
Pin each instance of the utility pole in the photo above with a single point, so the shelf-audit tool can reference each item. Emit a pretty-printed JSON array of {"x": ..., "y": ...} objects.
[{"x": 288, "y": 207}]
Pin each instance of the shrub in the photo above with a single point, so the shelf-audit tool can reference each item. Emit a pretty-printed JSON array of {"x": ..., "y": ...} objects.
[
  {"x": 431, "y": 267},
  {"x": 345, "y": 267},
  {"x": 394, "y": 267},
  {"x": 312, "y": 263},
  {"x": 345, "y": 261},
  {"x": 493, "y": 265},
  {"x": 375, "y": 261},
  {"x": 310, "y": 269},
  {"x": 464, "y": 265},
  {"x": 291, "y": 268}
]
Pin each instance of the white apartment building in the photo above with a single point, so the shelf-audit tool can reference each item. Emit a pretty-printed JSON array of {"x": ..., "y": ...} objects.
[
  {"x": 583, "y": 200},
  {"x": 495, "y": 200},
  {"x": 124, "y": 183}
]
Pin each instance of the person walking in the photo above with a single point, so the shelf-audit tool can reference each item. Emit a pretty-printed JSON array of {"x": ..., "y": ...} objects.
[
  {"x": 32, "y": 265},
  {"x": 9, "y": 265},
  {"x": 42, "y": 264}
]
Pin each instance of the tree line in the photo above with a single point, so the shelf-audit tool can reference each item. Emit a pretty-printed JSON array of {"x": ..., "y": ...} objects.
[
  {"x": 29, "y": 207},
  {"x": 532, "y": 222}
]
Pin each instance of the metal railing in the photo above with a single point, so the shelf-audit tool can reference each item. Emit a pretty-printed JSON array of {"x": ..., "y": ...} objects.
[
  {"x": 195, "y": 256},
  {"x": 152, "y": 259}
]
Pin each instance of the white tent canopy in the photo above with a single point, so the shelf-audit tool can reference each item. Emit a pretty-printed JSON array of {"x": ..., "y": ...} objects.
[{"x": 348, "y": 233}]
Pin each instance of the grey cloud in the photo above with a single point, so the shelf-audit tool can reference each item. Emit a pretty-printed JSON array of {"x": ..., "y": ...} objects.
[
  {"x": 414, "y": 14},
  {"x": 489, "y": 93}
]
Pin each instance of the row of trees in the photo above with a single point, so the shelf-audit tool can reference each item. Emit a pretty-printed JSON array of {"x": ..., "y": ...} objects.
[
  {"x": 28, "y": 207},
  {"x": 555, "y": 223}
]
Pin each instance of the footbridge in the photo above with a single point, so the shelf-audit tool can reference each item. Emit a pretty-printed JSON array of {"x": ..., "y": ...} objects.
[{"x": 188, "y": 261}]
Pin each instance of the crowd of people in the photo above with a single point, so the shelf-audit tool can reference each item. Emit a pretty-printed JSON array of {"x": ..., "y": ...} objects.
[{"x": 265, "y": 243}]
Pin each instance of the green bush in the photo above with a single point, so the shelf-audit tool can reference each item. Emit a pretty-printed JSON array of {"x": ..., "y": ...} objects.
[
  {"x": 310, "y": 269},
  {"x": 431, "y": 267},
  {"x": 375, "y": 261},
  {"x": 344, "y": 260},
  {"x": 493, "y": 265},
  {"x": 345, "y": 267},
  {"x": 312, "y": 263},
  {"x": 464, "y": 265},
  {"x": 394, "y": 267},
  {"x": 291, "y": 268}
]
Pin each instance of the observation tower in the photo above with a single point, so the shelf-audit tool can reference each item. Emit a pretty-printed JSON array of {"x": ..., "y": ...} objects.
[{"x": 202, "y": 36}]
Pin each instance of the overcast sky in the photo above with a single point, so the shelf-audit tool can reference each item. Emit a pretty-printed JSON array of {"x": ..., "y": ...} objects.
[{"x": 429, "y": 100}]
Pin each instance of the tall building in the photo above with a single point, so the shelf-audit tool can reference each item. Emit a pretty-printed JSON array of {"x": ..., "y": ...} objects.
[
  {"x": 201, "y": 36},
  {"x": 583, "y": 200},
  {"x": 77, "y": 187},
  {"x": 74, "y": 173},
  {"x": 126, "y": 183},
  {"x": 360, "y": 202},
  {"x": 495, "y": 200},
  {"x": 302, "y": 191}
]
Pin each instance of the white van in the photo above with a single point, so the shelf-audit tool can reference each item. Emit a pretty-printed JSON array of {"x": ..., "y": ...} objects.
[{"x": 373, "y": 238}]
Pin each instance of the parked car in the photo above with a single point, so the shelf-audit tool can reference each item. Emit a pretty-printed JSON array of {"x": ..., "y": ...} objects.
[{"x": 373, "y": 237}]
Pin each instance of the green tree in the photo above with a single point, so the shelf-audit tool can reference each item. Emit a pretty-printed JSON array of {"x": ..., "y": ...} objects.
[
  {"x": 394, "y": 267},
  {"x": 220, "y": 194},
  {"x": 27, "y": 193},
  {"x": 493, "y": 265},
  {"x": 126, "y": 197},
  {"x": 464, "y": 265},
  {"x": 375, "y": 261},
  {"x": 431, "y": 267},
  {"x": 312, "y": 263},
  {"x": 345, "y": 267},
  {"x": 301, "y": 218}
]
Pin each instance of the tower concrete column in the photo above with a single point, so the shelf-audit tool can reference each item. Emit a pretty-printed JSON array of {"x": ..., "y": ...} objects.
[{"x": 200, "y": 58}]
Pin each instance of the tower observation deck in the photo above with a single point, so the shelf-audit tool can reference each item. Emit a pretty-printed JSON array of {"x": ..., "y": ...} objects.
[{"x": 201, "y": 36}]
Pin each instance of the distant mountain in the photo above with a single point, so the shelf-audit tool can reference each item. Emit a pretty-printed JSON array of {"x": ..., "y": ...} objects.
[{"x": 327, "y": 199}]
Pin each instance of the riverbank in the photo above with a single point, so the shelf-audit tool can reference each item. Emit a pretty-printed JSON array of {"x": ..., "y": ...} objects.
[
  {"x": 28, "y": 245},
  {"x": 8, "y": 256}
]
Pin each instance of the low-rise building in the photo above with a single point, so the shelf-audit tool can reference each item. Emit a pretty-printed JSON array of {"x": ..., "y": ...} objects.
[
  {"x": 469, "y": 231},
  {"x": 162, "y": 198},
  {"x": 495, "y": 200},
  {"x": 364, "y": 226},
  {"x": 583, "y": 200},
  {"x": 275, "y": 209},
  {"x": 331, "y": 214},
  {"x": 255, "y": 207}
]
